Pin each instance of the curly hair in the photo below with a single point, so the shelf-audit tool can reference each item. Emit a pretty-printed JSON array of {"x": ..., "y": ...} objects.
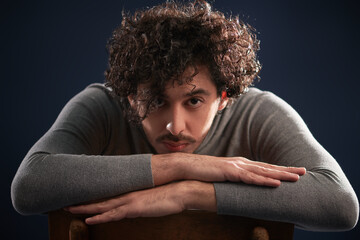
[{"x": 156, "y": 45}]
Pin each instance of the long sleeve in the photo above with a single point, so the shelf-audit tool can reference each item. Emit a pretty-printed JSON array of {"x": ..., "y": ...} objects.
[
  {"x": 91, "y": 152},
  {"x": 263, "y": 127},
  {"x": 86, "y": 155}
]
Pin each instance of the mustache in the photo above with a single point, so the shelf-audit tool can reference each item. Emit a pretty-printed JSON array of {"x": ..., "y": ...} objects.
[{"x": 175, "y": 138}]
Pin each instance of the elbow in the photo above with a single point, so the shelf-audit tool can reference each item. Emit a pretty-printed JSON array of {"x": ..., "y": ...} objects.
[
  {"x": 347, "y": 213},
  {"x": 334, "y": 208},
  {"x": 335, "y": 204},
  {"x": 22, "y": 196},
  {"x": 27, "y": 193},
  {"x": 340, "y": 213},
  {"x": 337, "y": 213},
  {"x": 18, "y": 196}
]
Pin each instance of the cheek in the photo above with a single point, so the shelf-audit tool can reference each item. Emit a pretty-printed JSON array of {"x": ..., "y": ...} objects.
[
  {"x": 151, "y": 127},
  {"x": 203, "y": 120}
]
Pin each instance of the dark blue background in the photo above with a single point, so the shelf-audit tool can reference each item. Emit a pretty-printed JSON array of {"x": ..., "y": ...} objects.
[{"x": 50, "y": 50}]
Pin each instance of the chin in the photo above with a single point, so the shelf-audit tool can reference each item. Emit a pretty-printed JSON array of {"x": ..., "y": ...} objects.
[{"x": 167, "y": 151}]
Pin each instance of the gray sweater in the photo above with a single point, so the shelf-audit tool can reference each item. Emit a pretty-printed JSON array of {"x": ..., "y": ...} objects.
[{"x": 92, "y": 152}]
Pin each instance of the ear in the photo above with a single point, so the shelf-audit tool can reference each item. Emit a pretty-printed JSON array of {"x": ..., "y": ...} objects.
[
  {"x": 131, "y": 100},
  {"x": 223, "y": 103}
]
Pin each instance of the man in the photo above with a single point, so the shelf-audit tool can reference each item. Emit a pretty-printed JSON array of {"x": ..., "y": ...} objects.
[{"x": 178, "y": 126}]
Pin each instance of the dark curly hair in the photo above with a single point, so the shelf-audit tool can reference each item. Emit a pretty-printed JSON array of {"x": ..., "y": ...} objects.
[{"x": 156, "y": 45}]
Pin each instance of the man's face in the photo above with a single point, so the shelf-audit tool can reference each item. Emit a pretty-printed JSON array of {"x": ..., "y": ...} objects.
[{"x": 185, "y": 114}]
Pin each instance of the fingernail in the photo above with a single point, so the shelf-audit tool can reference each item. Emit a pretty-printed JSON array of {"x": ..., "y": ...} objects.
[{"x": 88, "y": 221}]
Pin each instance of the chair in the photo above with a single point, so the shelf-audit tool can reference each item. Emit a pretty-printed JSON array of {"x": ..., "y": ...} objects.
[{"x": 186, "y": 225}]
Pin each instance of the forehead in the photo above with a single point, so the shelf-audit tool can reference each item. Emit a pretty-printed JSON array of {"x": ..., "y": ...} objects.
[{"x": 193, "y": 80}]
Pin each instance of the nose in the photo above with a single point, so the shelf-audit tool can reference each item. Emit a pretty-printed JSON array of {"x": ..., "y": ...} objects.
[{"x": 176, "y": 121}]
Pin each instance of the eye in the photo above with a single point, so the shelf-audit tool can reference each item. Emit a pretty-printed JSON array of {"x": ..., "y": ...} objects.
[
  {"x": 194, "y": 102},
  {"x": 159, "y": 102}
]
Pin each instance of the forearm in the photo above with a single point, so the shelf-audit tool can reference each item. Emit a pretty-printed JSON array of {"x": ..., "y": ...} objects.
[
  {"x": 46, "y": 182},
  {"x": 172, "y": 167},
  {"x": 316, "y": 202},
  {"x": 159, "y": 201},
  {"x": 167, "y": 168},
  {"x": 198, "y": 195},
  {"x": 182, "y": 166}
]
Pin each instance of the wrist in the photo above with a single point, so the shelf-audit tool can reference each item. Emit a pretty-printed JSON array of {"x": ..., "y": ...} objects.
[
  {"x": 167, "y": 168},
  {"x": 197, "y": 195}
]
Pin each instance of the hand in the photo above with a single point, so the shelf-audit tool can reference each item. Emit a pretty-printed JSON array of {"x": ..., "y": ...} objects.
[
  {"x": 178, "y": 166},
  {"x": 159, "y": 201}
]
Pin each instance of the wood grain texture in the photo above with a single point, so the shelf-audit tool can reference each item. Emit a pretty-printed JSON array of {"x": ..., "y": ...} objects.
[{"x": 186, "y": 225}]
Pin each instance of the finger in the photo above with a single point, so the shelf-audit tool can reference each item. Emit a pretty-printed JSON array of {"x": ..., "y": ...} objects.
[
  {"x": 254, "y": 179},
  {"x": 297, "y": 170},
  {"x": 273, "y": 173},
  {"x": 109, "y": 216},
  {"x": 99, "y": 207}
]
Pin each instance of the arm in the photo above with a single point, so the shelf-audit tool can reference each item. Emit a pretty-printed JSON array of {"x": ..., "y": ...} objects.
[
  {"x": 79, "y": 159},
  {"x": 322, "y": 199},
  {"x": 164, "y": 200},
  {"x": 71, "y": 163},
  {"x": 174, "y": 197},
  {"x": 182, "y": 166}
]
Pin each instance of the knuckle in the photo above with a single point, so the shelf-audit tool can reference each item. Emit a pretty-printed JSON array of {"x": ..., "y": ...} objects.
[
  {"x": 264, "y": 170},
  {"x": 101, "y": 205},
  {"x": 113, "y": 212},
  {"x": 250, "y": 178}
]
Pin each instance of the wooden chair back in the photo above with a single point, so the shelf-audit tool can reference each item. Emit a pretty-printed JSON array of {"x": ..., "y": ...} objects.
[{"x": 186, "y": 225}]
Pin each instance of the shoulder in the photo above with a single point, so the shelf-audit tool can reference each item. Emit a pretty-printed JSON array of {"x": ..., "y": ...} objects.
[
  {"x": 96, "y": 90},
  {"x": 94, "y": 102},
  {"x": 256, "y": 96},
  {"x": 100, "y": 87},
  {"x": 257, "y": 109},
  {"x": 261, "y": 103},
  {"x": 96, "y": 95}
]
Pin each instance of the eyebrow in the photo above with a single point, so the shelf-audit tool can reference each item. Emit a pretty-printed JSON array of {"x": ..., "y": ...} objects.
[
  {"x": 192, "y": 93},
  {"x": 198, "y": 91}
]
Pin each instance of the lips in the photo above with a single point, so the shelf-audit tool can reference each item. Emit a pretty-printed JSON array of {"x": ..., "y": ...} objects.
[{"x": 175, "y": 146}]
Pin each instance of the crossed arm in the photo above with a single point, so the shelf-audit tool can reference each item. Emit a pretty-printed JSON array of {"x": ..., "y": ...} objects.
[
  {"x": 183, "y": 181},
  {"x": 84, "y": 157}
]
